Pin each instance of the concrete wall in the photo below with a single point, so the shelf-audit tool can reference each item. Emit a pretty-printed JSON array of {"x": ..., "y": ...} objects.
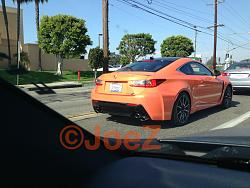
[
  {"x": 49, "y": 62},
  {"x": 12, "y": 21},
  {"x": 4, "y": 49}
]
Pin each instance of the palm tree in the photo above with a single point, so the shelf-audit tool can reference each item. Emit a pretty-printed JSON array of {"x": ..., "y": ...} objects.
[
  {"x": 7, "y": 31},
  {"x": 18, "y": 21},
  {"x": 37, "y": 22},
  {"x": 37, "y": 2}
]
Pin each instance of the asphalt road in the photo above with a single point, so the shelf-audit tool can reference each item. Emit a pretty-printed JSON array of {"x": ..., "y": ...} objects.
[{"x": 75, "y": 104}]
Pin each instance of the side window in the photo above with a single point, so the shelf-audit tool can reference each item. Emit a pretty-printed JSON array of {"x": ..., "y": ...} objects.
[
  {"x": 199, "y": 69},
  {"x": 186, "y": 69}
]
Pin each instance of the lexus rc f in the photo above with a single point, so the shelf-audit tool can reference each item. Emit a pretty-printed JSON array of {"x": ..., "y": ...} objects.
[{"x": 169, "y": 88}]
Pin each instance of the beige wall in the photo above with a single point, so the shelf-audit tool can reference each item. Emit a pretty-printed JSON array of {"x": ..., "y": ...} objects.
[
  {"x": 12, "y": 21},
  {"x": 49, "y": 62}
]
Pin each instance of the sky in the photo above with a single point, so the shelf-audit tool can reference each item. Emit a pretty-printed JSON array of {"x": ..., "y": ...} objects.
[{"x": 123, "y": 19}]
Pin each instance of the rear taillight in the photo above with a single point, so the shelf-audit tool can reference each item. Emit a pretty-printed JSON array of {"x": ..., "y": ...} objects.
[
  {"x": 146, "y": 83},
  {"x": 225, "y": 74},
  {"x": 98, "y": 82}
]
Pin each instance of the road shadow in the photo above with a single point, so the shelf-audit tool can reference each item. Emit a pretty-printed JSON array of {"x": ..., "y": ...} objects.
[
  {"x": 168, "y": 124},
  {"x": 42, "y": 90},
  {"x": 209, "y": 111}
]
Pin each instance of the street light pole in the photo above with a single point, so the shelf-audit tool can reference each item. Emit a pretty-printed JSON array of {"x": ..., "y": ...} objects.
[
  {"x": 99, "y": 40},
  {"x": 195, "y": 41}
]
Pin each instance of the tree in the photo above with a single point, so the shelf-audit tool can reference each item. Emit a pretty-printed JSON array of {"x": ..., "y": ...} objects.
[
  {"x": 134, "y": 46},
  {"x": 18, "y": 22},
  {"x": 114, "y": 59},
  {"x": 209, "y": 63},
  {"x": 124, "y": 60},
  {"x": 37, "y": 2},
  {"x": 7, "y": 31},
  {"x": 177, "y": 46},
  {"x": 96, "y": 58},
  {"x": 19, "y": 2},
  {"x": 24, "y": 60},
  {"x": 64, "y": 36}
]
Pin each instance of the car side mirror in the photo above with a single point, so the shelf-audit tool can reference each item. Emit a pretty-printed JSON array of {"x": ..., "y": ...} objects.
[{"x": 217, "y": 73}]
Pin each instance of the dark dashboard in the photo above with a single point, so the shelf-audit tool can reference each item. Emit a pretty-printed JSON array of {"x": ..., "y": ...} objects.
[{"x": 33, "y": 156}]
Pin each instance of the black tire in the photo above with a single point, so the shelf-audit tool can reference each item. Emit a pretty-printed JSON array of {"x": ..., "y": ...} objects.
[
  {"x": 227, "y": 98},
  {"x": 181, "y": 110}
]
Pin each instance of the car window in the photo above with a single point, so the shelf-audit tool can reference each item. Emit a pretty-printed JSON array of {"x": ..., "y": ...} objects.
[
  {"x": 199, "y": 69},
  {"x": 147, "y": 66},
  {"x": 239, "y": 66},
  {"x": 186, "y": 69}
]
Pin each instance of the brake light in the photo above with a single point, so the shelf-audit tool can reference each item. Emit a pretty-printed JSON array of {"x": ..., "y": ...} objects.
[
  {"x": 225, "y": 74},
  {"x": 146, "y": 83},
  {"x": 131, "y": 104},
  {"x": 98, "y": 82}
]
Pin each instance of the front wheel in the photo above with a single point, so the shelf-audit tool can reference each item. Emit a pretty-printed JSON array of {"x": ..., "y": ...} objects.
[
  {"x": 181, "y": 110},
  {"x": 227, "y": 98}
]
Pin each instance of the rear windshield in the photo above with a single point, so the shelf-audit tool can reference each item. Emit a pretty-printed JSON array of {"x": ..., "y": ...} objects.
[
  {"x": 236, "y": 66},
  {"x": 147, "y": 66}
]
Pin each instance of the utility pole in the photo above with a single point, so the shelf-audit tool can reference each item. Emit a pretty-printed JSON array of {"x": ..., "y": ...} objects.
[
  {"x": 215, "y": 26},
  {"x": 215, "y": 32},
  {"x": 195, "y": 41},
  {"x": 105, "y": 14}
]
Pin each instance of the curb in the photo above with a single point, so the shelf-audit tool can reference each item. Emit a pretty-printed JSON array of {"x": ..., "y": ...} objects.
[{"x": 39, "y": 86}]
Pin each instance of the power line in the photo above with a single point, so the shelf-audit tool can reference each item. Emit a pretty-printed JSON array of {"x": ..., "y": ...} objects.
[
  {"x": 185, "y": 7},
  {"x": 228, "y": 28},
  {"x": 163, "y": 13},
  {"x": 174, "y": 9},
  {"x": 157, "y": 13},
  {"x": 237, "y": 13}
]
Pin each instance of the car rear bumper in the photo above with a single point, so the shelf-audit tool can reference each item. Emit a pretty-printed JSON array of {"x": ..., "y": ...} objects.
[
  {"x": 240, "y": 84},
  {"x": 122, "y": 109},
  {"x": 157, "y": 107}
]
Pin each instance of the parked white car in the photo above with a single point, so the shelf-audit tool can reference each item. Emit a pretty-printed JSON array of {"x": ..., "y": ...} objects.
[{"x": 112, "y": 68}]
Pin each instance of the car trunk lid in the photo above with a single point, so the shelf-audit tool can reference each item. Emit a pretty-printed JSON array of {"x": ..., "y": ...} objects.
[
  {"x": 118, "y": 83},
  {"x": 239, "y": 74}
]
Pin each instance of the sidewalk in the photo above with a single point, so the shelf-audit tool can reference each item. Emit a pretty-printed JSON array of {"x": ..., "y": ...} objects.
[{"x": 56, "y": 85}]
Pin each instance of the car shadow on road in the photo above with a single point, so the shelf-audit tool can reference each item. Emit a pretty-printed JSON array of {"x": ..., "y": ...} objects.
[
  {"x": 167, "y": 124},
  {"x": 207, "y": 112}
]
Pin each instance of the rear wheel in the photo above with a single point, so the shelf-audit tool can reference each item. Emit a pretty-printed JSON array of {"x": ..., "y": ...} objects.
[
  {"x": 227, "y": 98},
  {"x": 181, "y": 110}
]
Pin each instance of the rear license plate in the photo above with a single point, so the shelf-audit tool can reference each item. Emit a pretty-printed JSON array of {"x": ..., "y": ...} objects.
[
  {"x": 238, "y": 76},
  {"x": 115, "y": 87}
]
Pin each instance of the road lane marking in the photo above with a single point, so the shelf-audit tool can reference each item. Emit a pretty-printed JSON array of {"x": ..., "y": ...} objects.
[
  {"x": 80, "y": 115},
  {"x": 234, "y": 122}
]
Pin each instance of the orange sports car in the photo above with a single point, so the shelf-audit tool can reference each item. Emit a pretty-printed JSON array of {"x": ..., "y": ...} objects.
[{"x": 169, "y": 88}]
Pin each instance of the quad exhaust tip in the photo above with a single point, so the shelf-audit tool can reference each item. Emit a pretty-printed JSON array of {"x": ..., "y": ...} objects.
[{"x": 141, "y": 117}]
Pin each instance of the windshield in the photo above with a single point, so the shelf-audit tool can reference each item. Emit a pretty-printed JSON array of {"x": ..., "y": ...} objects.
[
  {"x": 131, "y": 70},
  {"x": 237, "y": 66}
]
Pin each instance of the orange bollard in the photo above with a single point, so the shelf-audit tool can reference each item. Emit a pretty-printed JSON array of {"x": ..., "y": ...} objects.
[{"x": 79, "y": 75}]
